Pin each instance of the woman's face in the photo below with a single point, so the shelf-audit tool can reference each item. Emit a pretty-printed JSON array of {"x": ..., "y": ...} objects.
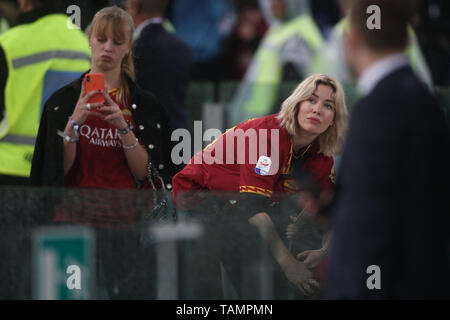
[
  {"x": 317, "y": 112},
  {"x": 108, "y": 51}
]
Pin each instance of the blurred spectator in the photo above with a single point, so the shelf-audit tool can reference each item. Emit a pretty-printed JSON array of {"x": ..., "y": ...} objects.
[
  {"x": 35, "y": 60},
  {"x": 162, "y": 61},
  {"x": 240, "y": 47},
  {"x": 3, "y": 24},
  {"x": 288, "y": 52},
  {"x": 391, "y": 209},
  {"x": 326, "y": 14},
  {"x": 8, "y": 14},
  {"x": 203, "y": 24},
  {"x": 333, "y": 53},
  {"x": 37, "y": 56},
  {"x": 9, "y": 11}
]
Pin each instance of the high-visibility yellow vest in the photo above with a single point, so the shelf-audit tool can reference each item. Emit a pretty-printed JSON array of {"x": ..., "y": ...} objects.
[
  {"x": 258, "y": 91},
  {"x": 168, "y": 26},
  {"x": 417, "y": 59},
  {"x": 41, "y": 56}
]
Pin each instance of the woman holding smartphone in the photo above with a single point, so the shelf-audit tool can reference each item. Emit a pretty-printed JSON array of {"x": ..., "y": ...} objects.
[{"x": 103, "y": 145}]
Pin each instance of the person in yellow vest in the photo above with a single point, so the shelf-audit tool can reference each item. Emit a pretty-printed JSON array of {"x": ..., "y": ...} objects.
[
  {"x": 288, "y": 51},
  {"x": 42, "y": 53},
  {"x": 334, "y": 61}
]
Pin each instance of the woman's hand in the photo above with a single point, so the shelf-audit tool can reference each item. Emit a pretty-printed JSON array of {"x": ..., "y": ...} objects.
[
  {"x": 83, "y": 109},
  {"x": 301, "y": 278},
  {"x": 311, "y": 258},
  {"x": 112, "y": 114},
  {"x": 292, "y": 229}
]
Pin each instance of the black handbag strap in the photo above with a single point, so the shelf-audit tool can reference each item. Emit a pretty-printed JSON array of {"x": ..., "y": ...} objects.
[{"x": 153, "y": 175}]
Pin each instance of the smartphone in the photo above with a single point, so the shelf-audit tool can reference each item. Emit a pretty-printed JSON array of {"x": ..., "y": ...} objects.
[{"x": 93, "y": 82}]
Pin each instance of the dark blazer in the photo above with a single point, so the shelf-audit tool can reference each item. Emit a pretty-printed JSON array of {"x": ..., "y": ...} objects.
[
  {"x": 391, "y": 207},
  {"x": 150, "y": 118},
  {"x": 163, "y": 63}
]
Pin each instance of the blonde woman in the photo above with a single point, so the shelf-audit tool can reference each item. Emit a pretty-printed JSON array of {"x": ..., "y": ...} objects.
[
  {"x": 303, "y": 137},
  {"x": 105, "y": 146}
]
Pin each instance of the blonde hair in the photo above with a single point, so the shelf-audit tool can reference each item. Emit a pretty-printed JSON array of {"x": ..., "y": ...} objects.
[
  {"x": 119, "y": 20},
  {"x": 331, "y": 140}
]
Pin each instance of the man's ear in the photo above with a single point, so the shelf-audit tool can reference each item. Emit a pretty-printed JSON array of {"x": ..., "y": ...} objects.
[
  {"x": 352, "y": 43},
  {"x": 351, "y": 38}
]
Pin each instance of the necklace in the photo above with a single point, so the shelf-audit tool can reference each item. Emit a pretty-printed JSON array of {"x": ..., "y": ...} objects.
[{"x": 301, "y": 153}]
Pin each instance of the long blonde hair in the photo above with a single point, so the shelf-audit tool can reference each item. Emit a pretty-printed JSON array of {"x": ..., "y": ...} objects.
[
  {"x": 331, "y": 140},
  {"x": 118, "y": 19}
]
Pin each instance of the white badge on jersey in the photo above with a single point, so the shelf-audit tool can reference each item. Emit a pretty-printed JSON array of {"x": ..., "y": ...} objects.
[{"x": 263, "y": 165}]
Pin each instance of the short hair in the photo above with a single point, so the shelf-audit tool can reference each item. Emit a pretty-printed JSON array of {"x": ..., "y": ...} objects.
[
  {"x": 153, "y": 6},
  {"x": 394, "y": 16},
  {"x": 332, "y": 139}
]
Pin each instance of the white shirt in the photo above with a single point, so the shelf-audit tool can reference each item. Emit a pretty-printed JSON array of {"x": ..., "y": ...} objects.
[
  {"x": 380, "y": 69},
  {"x": 145, "y": 23}
]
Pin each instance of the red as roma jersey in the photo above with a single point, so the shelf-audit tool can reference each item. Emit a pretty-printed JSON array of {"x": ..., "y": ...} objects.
[
  {"x": 255, "y": 157},
  {"x": 102, "y": 171},
  {"x": 100, "y": 161}
]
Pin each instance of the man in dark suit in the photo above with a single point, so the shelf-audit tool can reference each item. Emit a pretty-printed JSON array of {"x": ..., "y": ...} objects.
[
  {"x": 162, "y": 60},
  {"x": 391, "y": 208}
]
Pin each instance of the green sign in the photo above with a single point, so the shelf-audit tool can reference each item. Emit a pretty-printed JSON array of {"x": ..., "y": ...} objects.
[{"x": 63, "y": 263}]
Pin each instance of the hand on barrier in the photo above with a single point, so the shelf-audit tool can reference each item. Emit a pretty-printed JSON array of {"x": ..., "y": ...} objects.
[
  {"x": 301, "y": 278},
  {"x": 292, "y": 228},
  {"x": 311, "y": 258}
]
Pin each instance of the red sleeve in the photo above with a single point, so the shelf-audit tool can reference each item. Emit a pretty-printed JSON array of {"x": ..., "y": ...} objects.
[
  {"x": 327, "y": 178},
  {"x": 186, "y": 184},
  {"x": 252, "y": 182},
  {"x": 260, "y": 172}
]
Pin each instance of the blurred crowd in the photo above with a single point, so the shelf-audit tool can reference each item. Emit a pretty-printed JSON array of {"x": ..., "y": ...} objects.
[{"x": 224, "y": 35}]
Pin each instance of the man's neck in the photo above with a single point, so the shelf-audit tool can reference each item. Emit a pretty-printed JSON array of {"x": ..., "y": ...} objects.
[
  {"x": 379, "y": 69},
  {"x": 144, "y": 17},
  {"x": 368, "y": 59}
]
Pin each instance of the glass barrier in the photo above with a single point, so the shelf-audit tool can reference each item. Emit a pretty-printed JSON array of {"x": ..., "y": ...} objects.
[
  {"x": 58, "y": 243},
  {"x": 110, "y": 244}
]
